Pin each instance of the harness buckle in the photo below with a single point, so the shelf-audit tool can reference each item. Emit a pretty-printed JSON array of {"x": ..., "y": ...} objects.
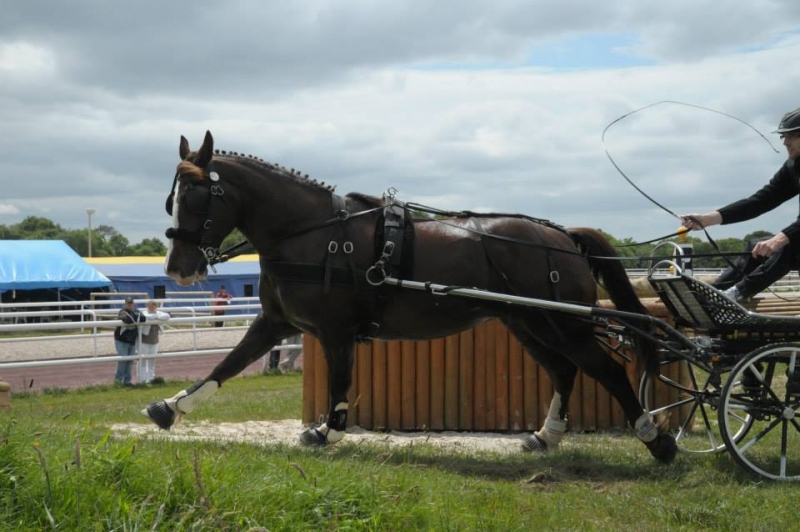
[
  {"x": 388, "y": 249},
  {"x": 342, "y": 215},
  {"x": 333, "y": 247},
  {"x": 554, "y": 277},
  {"x": 217, "y": 190},
  {"x": 207, "y": 224},
  {"x": 347, "y": 247}
]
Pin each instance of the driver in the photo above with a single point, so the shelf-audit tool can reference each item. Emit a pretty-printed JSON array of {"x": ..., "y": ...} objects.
[{"x": 774, "y": 256}]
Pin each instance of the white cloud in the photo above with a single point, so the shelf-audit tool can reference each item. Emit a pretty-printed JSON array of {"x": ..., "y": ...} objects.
[
  {"x": 6, "y": 209},
  {"x": 444, "y": 105}
]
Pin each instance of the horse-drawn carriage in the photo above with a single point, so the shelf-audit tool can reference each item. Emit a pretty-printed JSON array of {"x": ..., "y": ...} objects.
[
  {"x": 342, "y": 267},
  {"x": 730, "y": 377},
  {"x": 742, "y": 378}
]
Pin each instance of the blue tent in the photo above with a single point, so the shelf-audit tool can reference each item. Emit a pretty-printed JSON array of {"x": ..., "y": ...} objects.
[
  {"x": 143, "y": 274},
  {"x": 42, "y": 264}
]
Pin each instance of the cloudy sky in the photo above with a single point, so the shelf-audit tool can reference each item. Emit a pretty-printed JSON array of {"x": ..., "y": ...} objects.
[{"x": 459, "y": 105}]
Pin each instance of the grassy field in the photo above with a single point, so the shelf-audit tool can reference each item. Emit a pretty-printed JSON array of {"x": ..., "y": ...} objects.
[{"x": 61, "y": 468}]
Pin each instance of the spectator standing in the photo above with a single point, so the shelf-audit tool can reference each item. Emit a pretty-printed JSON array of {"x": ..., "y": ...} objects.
[
  {"x": 221, "y": 300},
  {"x": 125, "y": 339},
  {"x": 287, "y": 364},
  {"x": 149, "y": 344}
]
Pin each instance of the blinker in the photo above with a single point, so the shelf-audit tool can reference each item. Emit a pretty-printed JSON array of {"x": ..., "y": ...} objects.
[{"x": 197, "y": 199}]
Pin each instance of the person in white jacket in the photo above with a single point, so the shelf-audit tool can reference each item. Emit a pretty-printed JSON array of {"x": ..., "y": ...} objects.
[{"x": 149, "y": 345}]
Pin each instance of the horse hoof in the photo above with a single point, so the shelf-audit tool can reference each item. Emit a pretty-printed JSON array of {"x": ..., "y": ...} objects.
[
  {"x": 313, "y": 438},
  {"x": 161, "y": 414},
  {"x": 663, "y": 448},
  {"x": 533, "y": 444}
]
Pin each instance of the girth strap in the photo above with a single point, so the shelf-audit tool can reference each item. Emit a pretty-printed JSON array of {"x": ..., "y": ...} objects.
[
  {"x": 390, "y": 261},
  {"x": 394, "y": 231}
]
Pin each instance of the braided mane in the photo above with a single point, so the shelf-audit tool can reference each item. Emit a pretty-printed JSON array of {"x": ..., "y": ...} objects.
[{"x": 260, "y": 164}]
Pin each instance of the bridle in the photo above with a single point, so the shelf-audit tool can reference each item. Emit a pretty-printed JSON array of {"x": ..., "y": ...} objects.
[{"x": 199, "y": 199}]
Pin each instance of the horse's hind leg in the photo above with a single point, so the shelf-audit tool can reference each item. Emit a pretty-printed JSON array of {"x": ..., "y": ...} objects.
[
  {"x": 262, "y": 336},
  {"x": 576, "y": 342},
  {"x": 562, "y": 374},
  {"x": 584, "y": 350},
  {"x": 339, "y": 355}
]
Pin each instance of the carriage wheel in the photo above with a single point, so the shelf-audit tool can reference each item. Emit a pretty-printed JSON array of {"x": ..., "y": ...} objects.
[
  {"x": 766, "y": 386},
  {"x": 689, "y": 396}
]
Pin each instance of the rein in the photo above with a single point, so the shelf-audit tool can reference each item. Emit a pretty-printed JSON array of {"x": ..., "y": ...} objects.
[
  {"x": 341, "y": 216},
  {"x": 569, "y": 252},
  {"x": 214, "y": 256}
]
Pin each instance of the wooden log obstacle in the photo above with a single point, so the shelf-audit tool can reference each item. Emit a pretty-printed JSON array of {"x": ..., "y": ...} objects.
[{"x": 477, "y": 380}]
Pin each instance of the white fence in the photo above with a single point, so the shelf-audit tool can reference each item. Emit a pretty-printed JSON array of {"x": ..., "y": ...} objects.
[{"x": 100, "y": 318}]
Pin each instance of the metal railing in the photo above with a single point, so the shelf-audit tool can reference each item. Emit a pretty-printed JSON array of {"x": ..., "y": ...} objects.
[{"x": 14, "y": 318}]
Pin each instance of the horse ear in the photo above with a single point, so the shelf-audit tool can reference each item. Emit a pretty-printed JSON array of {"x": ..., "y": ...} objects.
[
  {"x": 205, "y": 152},
  {"x": 184, "y": 150}
]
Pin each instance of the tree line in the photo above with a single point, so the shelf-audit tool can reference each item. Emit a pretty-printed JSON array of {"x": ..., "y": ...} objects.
[{"x": 108, "y": 242}]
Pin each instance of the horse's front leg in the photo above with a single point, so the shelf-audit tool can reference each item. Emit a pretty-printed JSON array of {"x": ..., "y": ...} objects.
[
  {"x": 339, "y": 354},
  {"x": 262, "y": 336}
]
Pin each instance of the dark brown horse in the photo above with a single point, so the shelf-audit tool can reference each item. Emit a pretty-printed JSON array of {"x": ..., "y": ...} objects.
[{"x": 315, "y": 246}]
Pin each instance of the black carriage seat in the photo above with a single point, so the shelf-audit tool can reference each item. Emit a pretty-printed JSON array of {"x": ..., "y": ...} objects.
[{"x": 700, "y": 306}]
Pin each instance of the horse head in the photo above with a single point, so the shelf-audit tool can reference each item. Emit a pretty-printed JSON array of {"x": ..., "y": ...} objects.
[{"x": 201, "y": 214}]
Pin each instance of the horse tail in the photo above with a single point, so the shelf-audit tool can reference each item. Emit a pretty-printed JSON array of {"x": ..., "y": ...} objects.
[{"x": 614, "y": 278}]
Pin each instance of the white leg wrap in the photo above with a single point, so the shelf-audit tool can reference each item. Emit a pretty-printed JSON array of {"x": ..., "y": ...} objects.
[
  {"x": 184, "y": 403},
  {"x": 554, "y": 427},
  {"x": 333, "y": 435},
  {"x": 552, "y": 432},
  {"x": 645, "y": 429},
  {"x": 555, "y": 407}
]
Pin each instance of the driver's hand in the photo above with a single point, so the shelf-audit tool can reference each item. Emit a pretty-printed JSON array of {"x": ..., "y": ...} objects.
[
  {"x": 766, "y": 248},
  {"x": 696, "y": 221}
]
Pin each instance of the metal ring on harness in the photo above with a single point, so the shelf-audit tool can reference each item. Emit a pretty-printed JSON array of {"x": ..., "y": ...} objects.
[
  {"x": 379, "y": 268},
  {"x": 347, "y": 247},
  {"x": 333, "y": 246},
  {"x": 209, "y": 252},
  {"x": 554, "y": 277},
  {"x": 342, "y": 215}
]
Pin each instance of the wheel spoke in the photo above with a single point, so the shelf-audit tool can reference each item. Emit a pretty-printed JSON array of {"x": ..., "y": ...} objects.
[
  {"x": 677, "y": 404},
  {"x": 698, "y": 387},
  {"x": 758, "y": 387}
]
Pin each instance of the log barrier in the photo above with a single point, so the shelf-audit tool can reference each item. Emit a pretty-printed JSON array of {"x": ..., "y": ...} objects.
[{"x": 477, "y": 380}]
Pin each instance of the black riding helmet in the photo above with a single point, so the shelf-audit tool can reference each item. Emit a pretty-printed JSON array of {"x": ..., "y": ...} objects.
[{"x": 789, "y": 122}]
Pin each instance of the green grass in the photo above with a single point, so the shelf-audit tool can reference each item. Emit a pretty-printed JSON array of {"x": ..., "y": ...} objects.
[{"x": 62, "y": 469}]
